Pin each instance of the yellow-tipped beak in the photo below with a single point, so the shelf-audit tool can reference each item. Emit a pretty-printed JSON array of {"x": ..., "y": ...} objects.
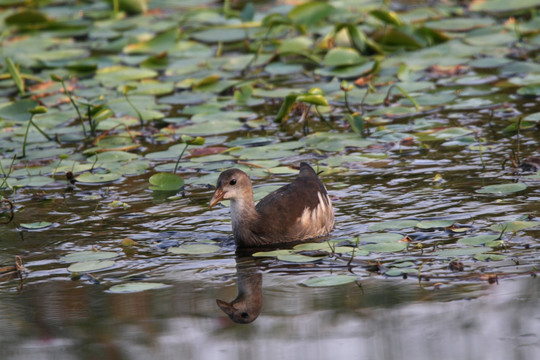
[{"x": 218, "y": 196}]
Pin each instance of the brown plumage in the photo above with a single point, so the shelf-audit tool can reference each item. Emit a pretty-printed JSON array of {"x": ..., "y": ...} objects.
[{"x": 294, "y": 212}]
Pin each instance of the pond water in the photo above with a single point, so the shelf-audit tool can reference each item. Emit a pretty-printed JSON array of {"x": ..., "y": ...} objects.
[{"x": 435, "y": 182}]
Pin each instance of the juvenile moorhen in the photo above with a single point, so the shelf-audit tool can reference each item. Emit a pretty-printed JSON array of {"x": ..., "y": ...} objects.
[{"x": 295, "y": 212}]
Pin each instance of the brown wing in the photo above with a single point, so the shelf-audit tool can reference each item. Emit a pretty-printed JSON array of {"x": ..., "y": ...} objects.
[{"x": 283, "y": 212}]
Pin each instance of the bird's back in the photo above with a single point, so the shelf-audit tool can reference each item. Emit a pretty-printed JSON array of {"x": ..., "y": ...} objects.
[{"x": 295, "y": 212}]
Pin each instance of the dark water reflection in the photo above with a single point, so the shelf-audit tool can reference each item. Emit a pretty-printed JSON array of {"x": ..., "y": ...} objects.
[{"x": 385, "y": 319}]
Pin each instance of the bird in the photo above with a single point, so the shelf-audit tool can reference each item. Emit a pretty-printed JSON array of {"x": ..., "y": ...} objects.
[{"x": 295, "y": 212}]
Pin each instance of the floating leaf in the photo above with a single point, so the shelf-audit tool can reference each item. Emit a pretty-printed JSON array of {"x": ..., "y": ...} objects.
[
  {"x": 502, "y": 189},
  {"x": 166, "y": 182},
  {"x": 477, "y": 240},
  {"x": 195, "y": 249},
  {"x": 490, "y": 257},
  {"x": 384, "y": 247},
  {"x": 133, "y": 287},
  {"x": 513, "y": 226},
  {"x": 296, "y": 258},
  {"x": 466, "y": 251},
  {"x": 90, "y": 178},
  {"x": 273, "y": 253},
  {"x": 116, "y": 75},
  {"x": 502, "y": 5},
  {"x": 331, "y": 280},
  {"x": 379, "y": 238},
  {"x": 394, "y": 271},
  {"x": 90, "y": 266},
  {"x": 433, "y": 224},
  {"x": 88, "y": 255},
  {"x": 39, "y": 225},
  {"x": 393, "y": 225},
  {"x": 17, "y": 110}
]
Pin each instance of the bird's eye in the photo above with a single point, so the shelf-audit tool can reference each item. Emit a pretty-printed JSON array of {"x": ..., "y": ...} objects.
[{"x": 232, "y": 182}]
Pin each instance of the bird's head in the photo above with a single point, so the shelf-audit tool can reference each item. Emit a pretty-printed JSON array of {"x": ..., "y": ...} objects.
[{"x": 232, "y": 184}]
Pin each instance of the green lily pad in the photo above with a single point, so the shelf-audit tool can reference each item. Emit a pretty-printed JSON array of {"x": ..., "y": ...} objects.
[
  {"x": 17, "y": 110},
  {"x": 219, "y": 34},
  {"x": 195, "y": 249},
  {"x": 116, "y": 75},
  {"x": 166, "y": 182},
  {"x": 477, "y": 240},
  {"x": 31, "y": 181},
  {"x": 513, "y": 226},
  {"x": 380, "y": 238},
  {"x": 90, "y": 266},
  {"x": 465, "y": 251},
  {"x": 113, "y": 156},
  {"x": 394, "y": 271},
  {"x": 88, "y": 255},
  {"x": 39, "y": 225},
  {"x": 490, "y": 257},
  {"x": 89, "y": 178},
  {"x": 273, "y": 253},
  {"x": 502, "y": 189},
  {"x": 133, "y": 287},
  {"x": 296, "y": 258},
  {"x": 393, "y": 225},
  {"x": 331, "y": 280},
  {"x": 497, "y": 6},
  {"x": 433, "y": 224},
  {"x": 384, "y": 247}
]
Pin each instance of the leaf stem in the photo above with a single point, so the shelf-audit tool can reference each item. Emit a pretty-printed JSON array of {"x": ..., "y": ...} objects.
[{"x": 179, "y": 157}]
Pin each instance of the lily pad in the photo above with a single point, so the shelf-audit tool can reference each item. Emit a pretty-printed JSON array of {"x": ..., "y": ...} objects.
[
  {"x": 433, "y": 224},
  {"x": 332, "y": 280},
  {"x": 88, "y": 255},
  {"x": 273, "y": 253},
  {"x": 90, "y": 266},
  {"x": 502, "y": 189},
  {"x": 384, "y": 247},
  {"x": 89, "y": 178},
  {"x": 380, "y": 238},
  {"x": 296, "y": 258},
  {"x": 166, "y": 182},
  {"x": 513, "y": 226},
  {"x": 39, "y": 225},
  {"x": 393, "y": 225},
  {"x": 195, "y": 249},
  {"x": 133, "y": 287},
  {"x": 477, "y": 240}
]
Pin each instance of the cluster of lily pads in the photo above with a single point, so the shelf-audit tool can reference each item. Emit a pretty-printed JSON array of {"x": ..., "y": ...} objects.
[{"x": 175, "y": 94}]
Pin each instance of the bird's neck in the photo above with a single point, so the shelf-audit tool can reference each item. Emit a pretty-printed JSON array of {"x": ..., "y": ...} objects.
[{"x": 244, "y": 215}]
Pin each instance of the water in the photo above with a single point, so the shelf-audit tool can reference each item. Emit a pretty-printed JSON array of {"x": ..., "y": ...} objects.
[{"x": 487, "y": 311}]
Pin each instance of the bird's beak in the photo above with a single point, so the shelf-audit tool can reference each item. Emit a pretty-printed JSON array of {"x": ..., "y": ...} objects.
[{"x": 218, "y": 196}]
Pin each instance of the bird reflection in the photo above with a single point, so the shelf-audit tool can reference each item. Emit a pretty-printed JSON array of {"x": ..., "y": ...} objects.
[{"x": 248, "y": 304}]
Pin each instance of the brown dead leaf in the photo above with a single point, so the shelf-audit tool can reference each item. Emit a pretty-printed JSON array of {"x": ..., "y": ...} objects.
[
  {"x": 209, "y": 150},
  {"x": 364, "y": 80},
  {"x": 445, "y": 71}
]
